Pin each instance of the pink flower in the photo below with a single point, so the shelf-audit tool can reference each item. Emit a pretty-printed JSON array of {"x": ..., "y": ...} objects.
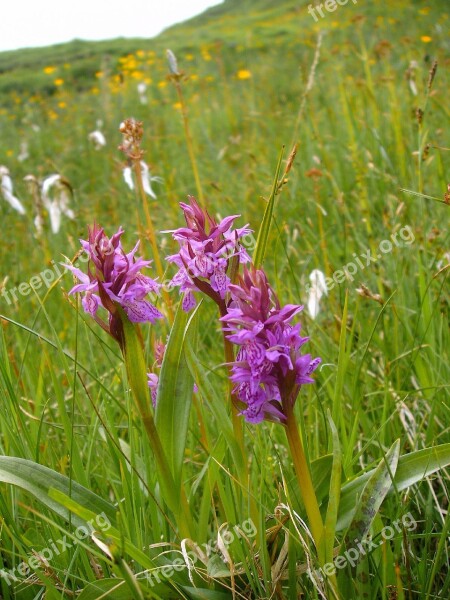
[
  {"x": 206, "y": 250},
  {"x": 114, "y": 279},
  {"x": 269, "y": 367}
]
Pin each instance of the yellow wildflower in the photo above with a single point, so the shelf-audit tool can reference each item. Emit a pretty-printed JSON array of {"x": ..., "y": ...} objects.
[
  {"x": 58, "y": 81},
  {"x": 426, "y": 39},
  {"x": 243, "y": 74},
  {"x": 49, "y": 70}
]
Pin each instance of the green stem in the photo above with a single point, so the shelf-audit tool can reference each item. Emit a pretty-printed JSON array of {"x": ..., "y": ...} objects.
[{"x": 303, "y": 475}]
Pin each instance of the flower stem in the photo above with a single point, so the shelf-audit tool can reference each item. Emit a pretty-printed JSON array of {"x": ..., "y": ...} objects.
[
  {"x": 187, "y": 133},
  {"x": 303, "y": 475}
]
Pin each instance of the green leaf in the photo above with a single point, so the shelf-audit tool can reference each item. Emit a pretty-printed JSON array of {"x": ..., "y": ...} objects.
[
  {"x": 112, "y": 589},
  {"x": 411, "y": 469},
  {"x": 40, "y": 481},
  {"x": 116, "y": 540},
  {"x": 137, "y": 378},
  {"x": 217, "y": 568},
  {"x": 133, "y": 353},
  {"x": 334, "y": 495},
  {"x": 66, "y": 498},
  {"x": 372, "y": 496},
  {"x": 174, "y": 398},
  {"x": 216, "y": 404},
  {"x": 263, "y": 233},
  {"x": 321, "y": 469},
  {"x": 203, "y": 594}
]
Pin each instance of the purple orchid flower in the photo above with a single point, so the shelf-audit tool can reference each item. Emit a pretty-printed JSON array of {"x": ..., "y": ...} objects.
[
  {"x": 206, "y": 250},
  {"x": 269, "y": 367},
  {"x": 114, "y": 279}
]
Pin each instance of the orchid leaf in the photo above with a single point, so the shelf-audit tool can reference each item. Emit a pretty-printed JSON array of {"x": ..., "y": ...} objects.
[
  {"x": 174, "y": 399},
  {"x": 372, "y": 496},
  {"x": 411, "y": 469}
]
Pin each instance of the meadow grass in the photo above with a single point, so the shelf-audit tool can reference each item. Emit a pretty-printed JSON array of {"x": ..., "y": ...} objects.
[{"x": 383, "y": 333}]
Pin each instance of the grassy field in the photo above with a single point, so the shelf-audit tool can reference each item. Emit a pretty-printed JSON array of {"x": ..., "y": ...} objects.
[{"x": 353, "y": 89}]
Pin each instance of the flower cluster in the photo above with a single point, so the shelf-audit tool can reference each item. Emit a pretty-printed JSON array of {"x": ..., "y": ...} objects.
[
  {"x": 206, "y": 249},
  {"x": 269, "y": 367},
  {"x": 114, "y": 279}
]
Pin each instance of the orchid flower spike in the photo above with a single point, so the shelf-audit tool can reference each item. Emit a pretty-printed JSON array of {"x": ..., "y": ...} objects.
[
  {"x": 269, "y": 368},
  {"x": 114, "y": 280},
  {"x": 7, "y": 188},
  {"x": 206, "y": 251}
]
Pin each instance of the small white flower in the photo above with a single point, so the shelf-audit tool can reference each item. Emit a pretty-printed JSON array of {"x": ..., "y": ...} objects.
[
  {"x": 413, "y": 87},
  {"x": 97, "y": 138},
  {"x": 24, "y": 154},
  {"x": 6, "y": 186},
  {"x": 56, "y": 195},
  {"x": 141, "y": 89},
  {"x": 146, "y": 179},
  {"x": 33, "y": 187},
  {"x": 317, "y": 289}
]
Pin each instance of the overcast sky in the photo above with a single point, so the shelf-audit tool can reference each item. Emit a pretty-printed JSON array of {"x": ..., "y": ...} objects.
[{"x": 30, "y": 23}]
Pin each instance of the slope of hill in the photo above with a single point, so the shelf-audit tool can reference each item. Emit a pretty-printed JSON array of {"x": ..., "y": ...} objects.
[{"x": 21, "y": 70}]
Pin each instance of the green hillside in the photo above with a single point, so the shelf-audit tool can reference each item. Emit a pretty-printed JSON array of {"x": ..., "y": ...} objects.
[{"x": 21, "y": 70}]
